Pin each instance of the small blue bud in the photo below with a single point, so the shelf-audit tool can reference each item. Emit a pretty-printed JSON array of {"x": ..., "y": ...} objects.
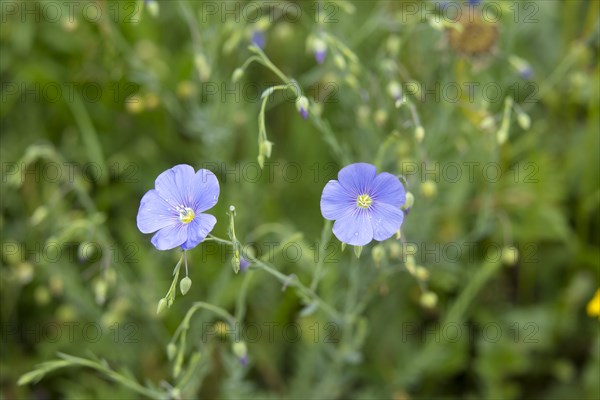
[{"x": 302, "y": 106}]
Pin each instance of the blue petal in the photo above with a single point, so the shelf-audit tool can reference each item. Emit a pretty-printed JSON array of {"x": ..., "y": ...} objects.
[
  {"x": 198, "y": 229},
  {"x": 387, "y": 188},
  {"x": 173, "y": 185},
  {"x": 354, "y": 229},
  {"x": 385, "y": 219},
  {"x": 357, "y": 178},
  {"x": 204, "y": 190},
  {"x": 155, "y": 213},
  {"x": 336, "y": 202},
  {"x": 170, "y": 237}
]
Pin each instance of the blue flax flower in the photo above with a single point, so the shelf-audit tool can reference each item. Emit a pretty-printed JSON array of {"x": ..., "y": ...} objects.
[
  {"x": 174, "y": 207},
  {"x": 364, "y": 205}
]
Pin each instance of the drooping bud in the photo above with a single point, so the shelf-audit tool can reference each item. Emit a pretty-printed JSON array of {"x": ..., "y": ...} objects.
[
  {"x": 244, "y": 264},
  {"x": 258, "y": 38},
  {"x": 422, "y": 273},
  {"x": 237, "y": 75},
  {"x": 408, "y": 203},
  {"x": 395, "y": 90},
  {"x": 302, "y": 106},
  {"x": 319, "y": 48},
  {"x": 162, "y": 304},
  {"x": 510, "y": 255},
  {"x": 171, "y": 350},
  {"x": 153, "y": 7},
  {"x": 429, "y": 300},
  {"x": 419, "y": 134},
  {"x": 524, "y": 120},
  {"x": 241, "y": 352},
  {"x": 378, "y": 254},
  {"x": 184, "y": 285}
]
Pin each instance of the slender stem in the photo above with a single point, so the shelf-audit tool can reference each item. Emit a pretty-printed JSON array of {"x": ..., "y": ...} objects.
[
  {"x": 267, "y": 63},
  {"x": 186, "y": 264},
  {"x": 286, "y": 280},
  {"x": 325, "y": 235}
]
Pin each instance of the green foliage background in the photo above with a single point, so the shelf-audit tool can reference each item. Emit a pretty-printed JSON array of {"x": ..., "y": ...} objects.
[{"x": 142, "y": 100}]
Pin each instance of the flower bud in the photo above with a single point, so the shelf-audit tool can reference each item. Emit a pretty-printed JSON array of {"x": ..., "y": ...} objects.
[
  {"x": 302, "y": 106},
  {"x": 41, "y": 295},
  {"x": 429, "y": 300},
  {"x": 162, "y": 304},
  {"x": 244, "y": 264},
  {"x": 419, "y": 134},
  {"x": 100, "y": 289},
  {"x": 395, "y": 250},
  {"x": 524, "y": 120},
  {"x": 409, "y": 202},
  {"x": 39, "y": 215},
  {"x": 428, "y": 189},
  {"x": 202, "y": 67},
  {"x": 241, "y": 352},
  {"x": 134, "y": 104},
  {"x": 153, "y": 7},
  {"x": 237, "y": 75},
  {"x": 410, "y": 264},
  {"x": 395, "y": 90},
  {"x": 184, "y": 285},
  {"x": 421, "y": 273},
  {"x": 502, "y": 135},
  {"x": 340, "y": 61},
  {"x": 510, "y": 255},
  {"x": 380, "y": 117},
  {"x": 266, "y": 147},
  {"x": 378, "y": 253},
  {"x": 319, "y": 48},
  {"x": 258, "y": 38},
  {"x": 171, "y": 350}
]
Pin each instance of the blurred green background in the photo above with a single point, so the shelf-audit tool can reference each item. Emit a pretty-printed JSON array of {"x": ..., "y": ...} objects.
[{"x": 98, "y": 98}]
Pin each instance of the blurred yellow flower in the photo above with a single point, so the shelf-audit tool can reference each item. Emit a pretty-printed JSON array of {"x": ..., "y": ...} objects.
[{"x": 593, "y": 307}]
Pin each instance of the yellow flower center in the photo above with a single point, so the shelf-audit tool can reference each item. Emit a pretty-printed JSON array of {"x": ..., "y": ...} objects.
[
  {"x": 186, "y": 215},
  {"x": 364, "y": 201}
]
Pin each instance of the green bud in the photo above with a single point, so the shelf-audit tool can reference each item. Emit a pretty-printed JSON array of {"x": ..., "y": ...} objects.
[
  {"x": 422, "y": 273},
  {"x": 100, "y": 289},
  {"x": 41, "y": 295},
  {"x": 241, "y": 351},
  {"x": 162, "y": 304},
  {"x": 184, "y": 285},
  {"x": 394, "y": 90},
  {"x": 395, "y": 249},
  {"x": 409, "y": 202},
  {"x": 380, "y": 117},
  {"x": 237, "y": 75},
  {"x": 39, "y": 215},
  {"x": 429, "y": 300},
  {"x": 171, "y": 350},
  {"x": 524, "y": 121},
  {"x": 302, "y": 106},
  {"x": 339, "y": 61},
  {"x": 502, "y": 135},
  {"x": 428, "y": 189},
  {"x": 410, "y": 264},
  {"x": 266, "y": 148},
  {"x": 419, "y": 133},
  {"x": 153, "y": 8},
  {"x": 378, "y": 253},
  {"x": 510, "y": 255}
]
